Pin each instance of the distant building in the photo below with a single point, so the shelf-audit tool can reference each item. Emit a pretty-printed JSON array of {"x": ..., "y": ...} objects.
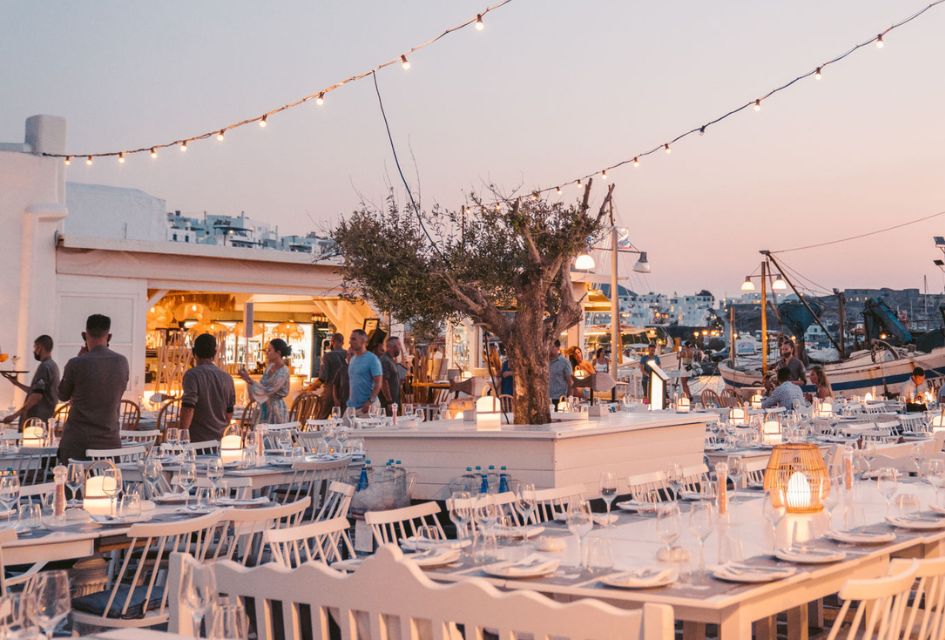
[{"x": 241, "y": 231}]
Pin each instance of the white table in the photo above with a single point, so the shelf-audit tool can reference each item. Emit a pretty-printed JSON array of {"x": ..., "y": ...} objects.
[{"x": 551, "y": 455}]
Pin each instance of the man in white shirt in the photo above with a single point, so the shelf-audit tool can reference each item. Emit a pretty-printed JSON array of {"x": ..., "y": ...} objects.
[{"x": 786, "y": 394}]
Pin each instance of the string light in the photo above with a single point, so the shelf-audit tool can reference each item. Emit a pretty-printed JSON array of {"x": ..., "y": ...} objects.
[
  {"x": 88, "y": 161},
  {"x": 220, "y": 135},
  {"x": 183, "y": 146},
  {"x": 153, "y": 152},
  {"x": 758, "y": 104},
  {"x": 121, "y": 158},
  {"x": 636, "y": 161},
  {"x": 320, "y": 100},
  {"x": 480, "y": 25},
  {"x": 263, "y": 121},
  {"x": 558, "y": 190},
  {"x": 879, "y": 41},
  {"x": 404, "y": 62},
  {"x": 667, "y": 149},
  {"x": 68, "y": 160},
  {"x": 603, "y": 174},
  {"x": 818, "y": 74}
]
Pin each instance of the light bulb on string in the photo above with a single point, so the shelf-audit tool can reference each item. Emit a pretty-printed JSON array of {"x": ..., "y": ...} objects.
[
  {"x": 879, "y": 41},
  {"x": 153, "y": 152},
  {"x": 758, "y": 104},
  {"x": 404, "y": 62},
  {"x": 578, "y": 183},
  {"x": 264, "y": 121},
  {"x": 817, "y": 73},
  {"x": 320, "y": 100},
  {"x": 480, "y": 25},
  {"x": 183, "y": 146},
  {"x": 636, "y": 161},
  {"x": 121, "y": 157},
  {"x": 220, "y": 134},
  {"x": 88, "y": 161},
  {"x": 603, "y": 174},
  {"x": 68, "y": 160},
  {"x": 666, "y": 148},
  {"x": 558, "y": 190}
]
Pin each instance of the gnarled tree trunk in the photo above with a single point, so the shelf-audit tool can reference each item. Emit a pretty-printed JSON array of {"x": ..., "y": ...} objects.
[{"x": 528, "y": 353}]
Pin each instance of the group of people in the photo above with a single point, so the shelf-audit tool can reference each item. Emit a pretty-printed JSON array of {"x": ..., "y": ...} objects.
[{"x": 786, "y": 390}]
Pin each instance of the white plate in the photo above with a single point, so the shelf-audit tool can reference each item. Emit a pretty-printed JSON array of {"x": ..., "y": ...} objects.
[
  {"x": 170, "y": 498},
  {"x": 530, "y": 531},
  {"x": 736, "y": 572},
  {"x": 809, "y": 556},
  {"x": 243, "y": 502},
  {"x": 118, "y": 521},
  {"x": 522, "y": 568},
  {"x": 640, "y": 507},
  {"x": 849, "y": 537},
  {"x": 929, "y": 523},
  {"x": 414, "y": 544},
  {"x": 644, "y": 578},
  {"x": 434, "y": 557}
]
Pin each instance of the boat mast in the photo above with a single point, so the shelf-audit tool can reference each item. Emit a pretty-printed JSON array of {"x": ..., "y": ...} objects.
[
  {"x": 764, "y": 319},
  {"x": 732, "y": 334},
  {"x": 842, "y": 314}
]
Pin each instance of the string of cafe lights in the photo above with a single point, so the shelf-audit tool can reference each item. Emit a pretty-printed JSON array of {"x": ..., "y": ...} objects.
[
  {"x": 879, "y": 40},
  {"x": 319, "y": 97}
]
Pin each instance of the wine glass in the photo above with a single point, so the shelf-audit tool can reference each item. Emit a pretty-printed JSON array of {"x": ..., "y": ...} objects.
[
  {"x": 229, "y": 621},
  {"x": 172, "y": 436},
  {"x": 187, "y": 478},
  {"x": 199, "y": 591},
  {"x": 701, "y": 522},
  {"x": 487, "y": 516},
  {"x": 525, "y": 501},
  {"x": 215, "y": 471},
  {"x": 735, "y": 468},
  {"x": 459, "y": 514},
  {"x": 9, "y": 491},
  {"x": 335, "y": 413},
  {"x": 674, "y": 479},
  {"x": 772, "y": 513},
  {"x": 284, "y": 441},
  {"x": 152, "y": 472},
  {"x": 111, "y": 486},
  {"x": 668, "y": 525},
  {"x": 608, "y": 491},
  {"x": 75, "y": 478},
  {"x": 53, "y": 602},
  {"x": 935, "y": 476},
  {"x": 887, "y": 483},
  {"x": 183, "y": 437},
  {"x": 580, "y": 524}
]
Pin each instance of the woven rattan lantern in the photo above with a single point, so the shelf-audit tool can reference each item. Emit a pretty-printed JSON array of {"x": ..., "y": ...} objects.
[{"x": 797, "y": 478}]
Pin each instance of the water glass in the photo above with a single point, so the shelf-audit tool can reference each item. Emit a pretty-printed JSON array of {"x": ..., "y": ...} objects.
[
  {"x": 187, "y": 478},
  {"x": 772, "y": 513},
  {"x": 887, "y": 483},
  {"x": 600, "y": 555},
  {"x": 199, "y": 592},
  {"x": 172, "y": 436},
  {"x": 229, "y": 621},
  {"x": 701, "y": 523},
  {"x": 668, "y": 525},
  {"x": 525, "y": 501},
  {"x": 459, "y": 514},
  {"x": 53, "y": 600},
  {"x": 29, "y": 516},
  {"x": 9, "y": 491},
  {"x": 580, "y": 524},
  {"x": 130, "y": 506},
  {"x": 906, "y": 505}
]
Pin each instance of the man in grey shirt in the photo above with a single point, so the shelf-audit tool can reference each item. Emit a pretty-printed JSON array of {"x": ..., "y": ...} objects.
[
  {"x": 209, "y": 394},
  {"x": 391, "y": 379},
  {"x": 94, "y": 382},
  {"x": 561, "y": 375},
  {"x": 42, "y": 394}
]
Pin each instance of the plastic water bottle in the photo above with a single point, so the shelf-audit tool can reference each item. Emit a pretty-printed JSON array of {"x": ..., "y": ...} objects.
[
  {"x": 493, "y": 479},
  {"x": 483, "y": 480},
  {"x": 503, "y": 480},
  {"x": 363, "y": 479},
  {"x": 469, "y": 481}
]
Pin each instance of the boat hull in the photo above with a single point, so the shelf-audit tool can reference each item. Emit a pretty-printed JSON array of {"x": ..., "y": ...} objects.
[{"x": 857, "y": 375}]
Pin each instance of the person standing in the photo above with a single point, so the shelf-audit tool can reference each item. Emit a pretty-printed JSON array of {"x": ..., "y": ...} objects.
[
  {"x": 334, "y": 361},
  {"x": 365, "y": 374},
  {"x": 273, "y": 387},
  {"x": 209, "y": 394},
  {"x": 94, "y": 382},
  {"x": 560, "y": 374},
  {"x": 390, "y": 375},
  {"x": 42, "y": 394},
  {"x": 645, "y": 370}
]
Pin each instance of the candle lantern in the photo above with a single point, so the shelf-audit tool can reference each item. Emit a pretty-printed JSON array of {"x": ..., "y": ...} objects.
[
  {"x": 231, "y": 445},
  {"x": 868, "y": 397},
  {"x": 34, "y": 433},
  {"x": 825, "y": 409},
  {"x": 488, "y": 412},
  {"x": 683, "y": 405},
  {"x": 737, "y": 416},
  {"x": 771, "y": 432},
  {"x": 102, "y": 484},
  {"x": 797, "y": 478},
  {"x": 756, "y": 401}
]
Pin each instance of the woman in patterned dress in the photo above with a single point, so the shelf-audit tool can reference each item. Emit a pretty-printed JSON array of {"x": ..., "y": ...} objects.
[{"x": 273, "y": 387}]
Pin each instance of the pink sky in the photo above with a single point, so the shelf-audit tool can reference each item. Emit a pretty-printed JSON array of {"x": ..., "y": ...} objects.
[{"x": 547, "y": 91}]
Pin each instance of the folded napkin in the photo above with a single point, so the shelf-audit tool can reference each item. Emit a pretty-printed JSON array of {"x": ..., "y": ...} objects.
[
  {"x": 531, "y": 565},
  {"x": 737, "y": 569},
  {"x": 505, "y": 531},
  {"x": 235, "y": 502},
  {"x": 435, "y": 556},
  {"x": 641, "y": 578},
  {"x": 414, "y": 543}
]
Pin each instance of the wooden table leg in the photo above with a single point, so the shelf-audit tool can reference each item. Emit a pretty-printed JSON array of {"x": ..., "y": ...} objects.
[
  {"x": 734, "y": 626},
  {"x": 816, "y": 613},
  {"x": 693, "y": 630},
  {"x": 766, "y": 628},
  {"x": 797, "y": 623}
]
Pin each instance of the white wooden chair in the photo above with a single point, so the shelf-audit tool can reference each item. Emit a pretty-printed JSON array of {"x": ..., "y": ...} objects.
[
  {"x": 693, "y": 477},
  {"x": 136, "y": 596},
  {"x": 118, "y": 456},
  {"x": 309, "y": 479},
  {"x": 550, "y": 502},
  {"x": 203, "y": 448},
  {"x": 926, "y": 615},
  {"x": 337, "y": 501},
  {"x": 389, "y": 596},
  {"x": 326, "y": 541},
  {"x": 145, "y": 438},
  {"x": 506, "y": 502},
  {"x": 268, "y": 432},
  {"x": 393, "y": 525},
  {"x": 881, "y": 606},
  {"x": 243, "y": 531},
  {"x": 31, "y": 468},
  {"x": 647, "y": 487}
]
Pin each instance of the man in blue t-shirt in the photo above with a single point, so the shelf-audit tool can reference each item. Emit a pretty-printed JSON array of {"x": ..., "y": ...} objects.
[{"x": 364, "y": 374}]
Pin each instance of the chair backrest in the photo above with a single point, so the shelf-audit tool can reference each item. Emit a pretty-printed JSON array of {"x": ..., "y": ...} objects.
[
  {"x": 881, "y": 605},
  {"x": 325, "y": 541},
  {"x": 551, "y": 502},
  {"x": 729, "y": 398},
  {"x": 337, "y": 501},
  {"x": 304, "y": 406},
  {"x": 123, "y": 454},
  {"x": 505, "y": 402},
  {"x": 390, "y": 594},
  {"x": 6, "y": 535},
  {"x": 169, "y": 415},
  {"x": 129, "y": 415},
  {"x": 243, "y": 537},
  {"x": 62, "y": 412},
  {"x": 310, "y": 479},
  {"x": 146, "y": 438},
  {"x": 37, "y": 491},
  {"x": 202, "y": 448},
  {"x": 394, "y": 525},
  {"x": 249, "y": 417},
  {"x": 710, "y": 398},
  {"x": 31, "y": 468},
  {"x": 926, "y": 615},
  {"x": 506, "y": 501},
  {"x": 648, "y": 487},
  {"x": 693, "y": 477}
]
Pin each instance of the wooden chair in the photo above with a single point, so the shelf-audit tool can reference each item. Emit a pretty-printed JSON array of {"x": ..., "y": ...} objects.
[
  {"x": 304, "y": 406},
  {"x": 710, "y": 398},
  {"x": 250, "y": 417},
  {"x": 310, "y": 479},
  {"x": 62, "y": 413},
  {"x": 202, "y": 448},
  {"x": 337, "y": 501},
  {"x": 648, "y": 487},
  {"x": 325, "y": 541},
  {"x": 926, "y": 614},
  {"x": 881, "y": 605},
  {"x": 118, "y": 456},
  {"x": 129, "y": 415},
  {"x": 269, "y": 431},
  {"x": 243, "y": 530},
  {"x": 169, "y": 415},
  {"x": 729, "y": 398},
  {"x": 136, "y": 595},
  {"x": 550, "y": 502},
  {"x": 394, "y": 525},
  {"x": 389, "y": 594},
  {"x": 693, "y": 478},
  {"x": 505, "y": 402}
]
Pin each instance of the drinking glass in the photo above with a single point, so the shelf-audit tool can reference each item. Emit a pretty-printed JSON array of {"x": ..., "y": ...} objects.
[
  {"x": 29, "y": 516},
  {"x": 935, "y": 476},
  {"x": 199, "y": 591},
  {"x": 459, "y": 514},
  {"x": 408, "y": 409},
  {"x": 701, "y": 522},
  {"x": 187, "y": 478},
  {"x": 172, "y": 436},
  {"x": 487, "y": 516},
  {"x": 284, "y": 440},
  {"x": 773, "y": 514},
  {"x": 918, "y": 453},
  {"x": 907, "y": 504},
  {"x": 152, "y": 472},
  {"x": 75, "y": 478},
  {"x": 53, "y": 601},
  {"x": 608, "y": 490},
  {"x": 215, "y": 473},
  {"x": 887, "y": 483},
  {"x": 336, "y": 413},
  {"x": 580, "y": 524},
  {"x": 525, "y": 501},
  {"x": 600, "y": 555},
  {"x": 673, "y": 474},
  {"x": 17, "y": 615},
  {"x": 111, "y": 489},
  {"x": 130, "y": 506},
  {"x": 735, "y": 468},
  {"x": 229, "y": 621},
  {"x": 9, "y": 491},
  {"x": 668, "y": 525}
]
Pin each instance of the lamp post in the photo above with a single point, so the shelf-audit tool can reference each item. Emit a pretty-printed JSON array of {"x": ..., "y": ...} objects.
[{"x": 778, "y": 285}]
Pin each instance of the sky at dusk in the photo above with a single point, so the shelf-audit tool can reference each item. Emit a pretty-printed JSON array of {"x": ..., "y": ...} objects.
[{"x": 547, "y": 91}]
